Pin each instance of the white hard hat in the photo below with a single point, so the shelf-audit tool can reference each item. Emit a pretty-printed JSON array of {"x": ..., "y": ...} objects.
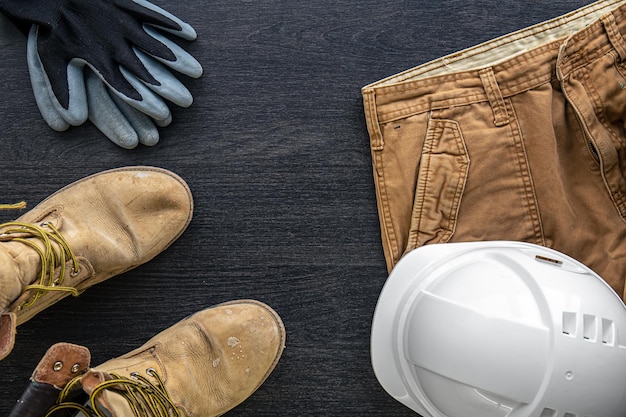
[{"x": 500, "y": 329}]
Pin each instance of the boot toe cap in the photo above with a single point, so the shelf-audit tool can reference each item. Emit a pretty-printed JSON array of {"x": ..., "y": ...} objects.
[{"x": 248, "y": 338}]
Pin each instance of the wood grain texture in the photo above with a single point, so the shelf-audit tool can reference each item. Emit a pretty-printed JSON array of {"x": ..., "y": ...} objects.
[{"x": 275, "y": 150}]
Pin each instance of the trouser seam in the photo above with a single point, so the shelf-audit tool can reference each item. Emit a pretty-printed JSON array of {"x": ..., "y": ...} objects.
[
  {"x": 389, "y": 237},
  {"x": 423, "y": 181},
  {"x": 527, "y": 179}
]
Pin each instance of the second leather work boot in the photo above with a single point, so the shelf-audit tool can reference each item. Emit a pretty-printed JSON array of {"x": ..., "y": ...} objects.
[
  {"x": 91, "y": 230},
  {"x": 202, "y": 366}
]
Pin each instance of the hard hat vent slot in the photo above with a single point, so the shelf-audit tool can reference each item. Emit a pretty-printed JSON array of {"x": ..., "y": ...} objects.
[
  {"x": 569, "y": 324},
  {"x": 551, "y": 261},
  {"x": 608, "y": 332},
  {"x": 548, "y": 412},
  {"x": 589, "y": 327},
  {"x": 593, "y": 328}
]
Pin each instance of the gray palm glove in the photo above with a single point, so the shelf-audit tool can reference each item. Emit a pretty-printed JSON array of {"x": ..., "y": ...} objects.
[
  {"x": 122, "y": 42},
  {"x": 123, "y": 124}
]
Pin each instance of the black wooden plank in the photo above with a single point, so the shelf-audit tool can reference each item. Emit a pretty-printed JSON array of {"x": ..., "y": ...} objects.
[{"x": 275, "y": 150}]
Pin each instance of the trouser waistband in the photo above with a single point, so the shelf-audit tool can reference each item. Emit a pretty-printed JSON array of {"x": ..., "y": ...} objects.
[{"x": 499, "y": 68}]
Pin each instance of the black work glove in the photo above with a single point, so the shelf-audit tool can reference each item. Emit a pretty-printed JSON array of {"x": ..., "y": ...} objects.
[{"x": 121, "y": 41}]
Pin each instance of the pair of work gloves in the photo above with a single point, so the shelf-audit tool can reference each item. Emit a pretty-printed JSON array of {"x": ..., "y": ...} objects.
[{"x": 107, "y": 61}]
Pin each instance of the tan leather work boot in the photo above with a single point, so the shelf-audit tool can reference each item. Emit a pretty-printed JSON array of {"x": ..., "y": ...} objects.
[
  {"x": 85, "y": 233},
  {"x": 202, "y": 366}
]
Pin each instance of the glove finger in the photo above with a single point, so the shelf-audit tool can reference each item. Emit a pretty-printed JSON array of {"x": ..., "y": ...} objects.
[
  {"x": 147, "y": 133},
  {"x": 186, "y": 32},
  {"x": 184, "y": 63},
  {"x": 49, "y": 106},
  {"x": 164, "y": 122},
  {"x": 50, "y": 114},
  {"x": 150, "y": 104},
  {"x": 168, "y": 86},
  {"x": 76, "y": 113},
  {"x": 106, "y": 116},
  {"x": 48, "y": 111}
]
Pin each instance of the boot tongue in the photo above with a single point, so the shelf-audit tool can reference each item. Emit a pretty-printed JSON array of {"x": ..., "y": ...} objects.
[
  {"x": 113, "y": 404},
  {"x": 12, "y": 275}
]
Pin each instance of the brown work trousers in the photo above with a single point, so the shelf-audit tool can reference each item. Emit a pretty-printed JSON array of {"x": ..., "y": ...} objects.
[{"x": 520, "y": 138}]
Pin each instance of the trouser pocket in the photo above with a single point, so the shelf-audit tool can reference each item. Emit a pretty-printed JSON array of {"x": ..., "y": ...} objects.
[{"x": 442, "y": 174}]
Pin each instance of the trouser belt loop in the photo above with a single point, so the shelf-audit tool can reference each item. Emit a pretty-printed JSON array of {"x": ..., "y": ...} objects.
[
  {"x": 494, "y": 95},
  {"x": 615, "y": 36}
]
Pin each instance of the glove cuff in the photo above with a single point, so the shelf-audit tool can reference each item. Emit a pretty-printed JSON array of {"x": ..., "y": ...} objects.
[{"x": 42, "y": 12}]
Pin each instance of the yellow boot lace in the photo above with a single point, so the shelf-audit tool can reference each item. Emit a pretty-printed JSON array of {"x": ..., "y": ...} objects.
[
  {"x": 145, "y": 398},
  {"x": 20, "y": 205},
  {"x": 52, "y": 257}
]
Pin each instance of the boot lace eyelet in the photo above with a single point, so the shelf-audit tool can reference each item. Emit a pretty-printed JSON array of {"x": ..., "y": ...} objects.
[{"x": 145, "y": 397}]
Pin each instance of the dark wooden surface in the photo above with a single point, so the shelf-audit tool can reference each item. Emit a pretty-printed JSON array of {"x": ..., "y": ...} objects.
[{"x": 275, "y": 150}]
